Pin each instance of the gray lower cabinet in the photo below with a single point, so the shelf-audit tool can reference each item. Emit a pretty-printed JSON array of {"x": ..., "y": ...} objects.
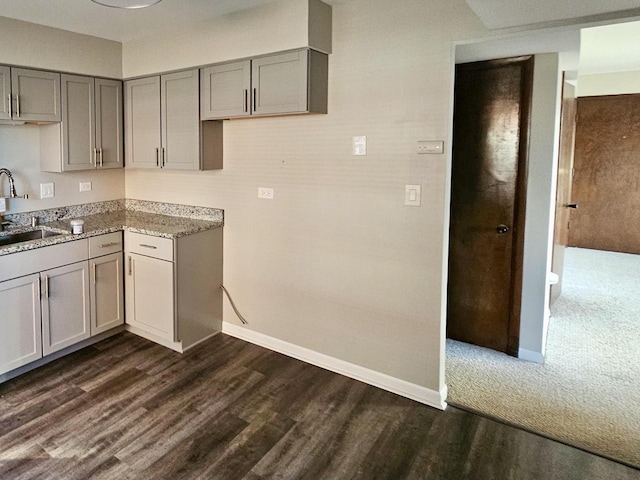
[
  {"x": 57, "y": 296},
  {"x": 90, "y": 135},
  {"x": 163, "y": 128},
  {"x": 106, "y": 292},
  {"x": 172, "y": 287},
  {"x": 21, "y": 341},
  {"x": 280, "y": 84},
  {"x": 150, "y": 296},
  {"x": 65, "y": 306},
  {"x": 35, "y": 95}
]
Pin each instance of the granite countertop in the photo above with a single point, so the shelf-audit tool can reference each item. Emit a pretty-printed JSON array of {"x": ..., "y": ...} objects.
[{"x": 108, "y": 222}]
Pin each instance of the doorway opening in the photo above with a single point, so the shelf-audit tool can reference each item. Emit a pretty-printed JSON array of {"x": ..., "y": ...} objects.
[{"x": 584, "y": 390}]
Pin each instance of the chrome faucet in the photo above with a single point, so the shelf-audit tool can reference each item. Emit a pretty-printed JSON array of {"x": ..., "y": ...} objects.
[
  {"x": 12, "y": 194},
  {"x": 12, "y": 184}
]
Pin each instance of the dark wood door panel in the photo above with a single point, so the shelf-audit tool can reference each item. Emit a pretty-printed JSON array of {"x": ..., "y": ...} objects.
[
  {"x": 606, "y": 184},
  {"x": 491, "y": 113}
]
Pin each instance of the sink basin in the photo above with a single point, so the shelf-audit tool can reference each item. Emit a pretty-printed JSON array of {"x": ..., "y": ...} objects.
[{"x": 12, "y": 238}]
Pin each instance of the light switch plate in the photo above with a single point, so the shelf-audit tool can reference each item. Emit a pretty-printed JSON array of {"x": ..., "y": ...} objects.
[
  {"x": 431, "y": 147},
  {"x": 3, "y": 204},
  {"x": 265, "y": 193},
  {"x": 360, "y": 145},
  {"x": 47, "y": 190},
  {"x": 412, "y": 195},
  {"x": 85, "y": 186}
]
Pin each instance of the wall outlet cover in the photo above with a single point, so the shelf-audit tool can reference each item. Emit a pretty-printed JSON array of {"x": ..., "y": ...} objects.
[
  {"x": 265, "y": 193},
  {"x": 47, "y": 190},
  {"x": 360, "y": 145},
  {"x": 3, "y": 204},
  {"x": 85, "y": 186}
]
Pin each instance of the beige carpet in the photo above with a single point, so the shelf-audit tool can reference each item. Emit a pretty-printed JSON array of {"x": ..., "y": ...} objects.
[{"x": 588, "y": 391}]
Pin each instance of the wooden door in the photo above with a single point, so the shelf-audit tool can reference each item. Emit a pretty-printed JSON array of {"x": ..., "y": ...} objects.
[
  {"x": 563, "y": 192},
  {"x": 36, "y": 95},
  {"x": 280, "y": 83},
  {"x": 109, "y": 142},
  {"x": 21, "y": 340},
  {"x": 607, "y": 174},
  {"x": 106, "y": 293},
  {"x": 225, "y": 90},
  {"x": 5, "y": 93},
  {"x": 65, "y": 307},
  {"x": 181, "y": 120},
  {"x": 149, "y": 295},
  {"x": 78, "y": 123},
  {"x": 142, "y": 122},
  {"x": 491, "y": 119}
]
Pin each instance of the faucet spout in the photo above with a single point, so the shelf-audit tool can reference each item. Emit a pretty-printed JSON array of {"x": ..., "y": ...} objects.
[{"x": 12, "y": 184}]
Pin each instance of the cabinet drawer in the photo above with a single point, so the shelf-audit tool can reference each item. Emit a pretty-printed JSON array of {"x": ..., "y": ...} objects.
[
  {"x": 105, "y": 244},
  {"x": 156, "y": 247}
]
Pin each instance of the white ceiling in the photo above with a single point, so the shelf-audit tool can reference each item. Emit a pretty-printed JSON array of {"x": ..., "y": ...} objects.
[
  {"x": 84, "y": 16},
  {"x": 496, "y": 14},
  {"x": 611, "y": 48}
]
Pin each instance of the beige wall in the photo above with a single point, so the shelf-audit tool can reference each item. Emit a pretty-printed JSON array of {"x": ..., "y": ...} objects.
[
  {"x": 335, "y": 263},
  {"x": 32, "y": 45},
  {"x": 617, "y": 83}
]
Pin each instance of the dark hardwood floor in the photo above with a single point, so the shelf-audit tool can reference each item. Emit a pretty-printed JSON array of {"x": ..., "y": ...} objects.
[{"x": 129, "y": 409}]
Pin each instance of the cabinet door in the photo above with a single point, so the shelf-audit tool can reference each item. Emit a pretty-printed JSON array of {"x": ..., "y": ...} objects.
[
  {"x": 65, "y": 306},
  {"x": 280, "y": 83},
  {"x": 78, "y": 127},
  {"x": 225, "y": 91},
  {"x": 5, "y": 93},
  {"x": 107, "y": 293},
  {"x": 150, "y": 296},
  {"x": 21, "y": 339},
  {"x": 142, "y": 122},
  {"x": 108, "y": 96},
  {"x": 36, "y": 95},
  {"x": 181, "y": 120}
]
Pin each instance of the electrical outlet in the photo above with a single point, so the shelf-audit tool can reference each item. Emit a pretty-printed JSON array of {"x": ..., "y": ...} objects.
[
  {"x": 47, "y": 190},
  {"x": 431, "y": 147},
  {"x": 265, "y": 193},
  {"x": 85, "y": 186}
]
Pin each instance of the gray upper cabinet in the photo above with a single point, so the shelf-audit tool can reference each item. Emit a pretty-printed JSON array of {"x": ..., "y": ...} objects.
[
  {"x": 90, "y": 135},
  {"x": 35, "y": 95},
  {"x": 108, "y": 110},
  {"x": 163, "y": 128},
  {"x": 142, "y": 122},
  {"x": 280, "y": 84},
  {"x": 225, "y": 90},
  {"x": 180, "y": 120},
  {"x": 5, "y": 93}
]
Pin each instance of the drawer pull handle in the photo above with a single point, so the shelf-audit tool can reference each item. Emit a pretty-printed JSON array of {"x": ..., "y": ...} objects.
[
  {"x": 144, "y": 245},
  {"x": 107, "y": 245}
]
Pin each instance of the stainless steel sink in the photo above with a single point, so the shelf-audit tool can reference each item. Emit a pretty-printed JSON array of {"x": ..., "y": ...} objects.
[{"x": 11, "y": 238}]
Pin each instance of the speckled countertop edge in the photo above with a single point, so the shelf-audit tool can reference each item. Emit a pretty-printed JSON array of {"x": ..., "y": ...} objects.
[{"x": 118, "y": 219}]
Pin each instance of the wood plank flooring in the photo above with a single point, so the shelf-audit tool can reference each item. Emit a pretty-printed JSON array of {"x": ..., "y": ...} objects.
[{"x": 126, "y": 408}]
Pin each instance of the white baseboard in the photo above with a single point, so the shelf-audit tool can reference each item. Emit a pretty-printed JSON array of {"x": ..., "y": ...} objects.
[
  {"x": 406, "y": 389},
  {"x": 530, "y": 356}
]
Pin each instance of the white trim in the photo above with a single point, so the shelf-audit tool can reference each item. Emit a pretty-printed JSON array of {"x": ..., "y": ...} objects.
[
  {"x": 530, "y": 355},
  {"x": 406, "y": 389}
]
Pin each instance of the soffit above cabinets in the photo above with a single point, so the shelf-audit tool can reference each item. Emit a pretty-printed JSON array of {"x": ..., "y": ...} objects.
[
  {"x": 498, "y": 14},
  {"x": 84, "y": 16},
  {"x": 89, "y": 18},
  {"x": 610, "y": 48}
]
